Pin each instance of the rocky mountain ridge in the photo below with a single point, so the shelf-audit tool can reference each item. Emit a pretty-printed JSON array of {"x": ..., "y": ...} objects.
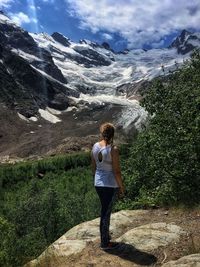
[
  {"x": 47, "y": 80},
  {"x": 186, "y": 42}
]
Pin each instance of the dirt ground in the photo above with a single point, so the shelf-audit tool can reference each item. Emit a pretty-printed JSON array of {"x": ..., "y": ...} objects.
[{"x": 77, "y": 131}]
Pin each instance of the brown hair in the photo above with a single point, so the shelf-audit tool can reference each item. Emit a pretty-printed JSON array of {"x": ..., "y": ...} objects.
[{"x": 107, "y": 131}]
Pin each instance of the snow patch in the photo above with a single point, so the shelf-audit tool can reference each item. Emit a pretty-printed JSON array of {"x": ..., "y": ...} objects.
[
  {"x": 25, "y": 55},
  {"x": 195, "y": 43},
  {"x": 45, "y": 114},
  {"x": 70, "y": 109},
  {"x": 22, "y": 117},
  {"x": 136, "y": 115},
  {"x": 33, "y": 119},
  {"x": 5, "y": 19},
  {"x": 53, "y": 111}
]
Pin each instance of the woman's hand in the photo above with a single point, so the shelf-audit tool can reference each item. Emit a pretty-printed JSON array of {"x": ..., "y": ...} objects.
[{"x": 121, "y": 191}]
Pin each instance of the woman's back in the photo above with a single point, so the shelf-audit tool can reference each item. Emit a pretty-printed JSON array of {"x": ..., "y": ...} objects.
[
  {"x": 104, "y": 175},
  {"x": 102, "y": 156}
]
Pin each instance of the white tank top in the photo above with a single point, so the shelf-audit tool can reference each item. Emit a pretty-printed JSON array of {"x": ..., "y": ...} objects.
[{"x": 104, "y": 175}]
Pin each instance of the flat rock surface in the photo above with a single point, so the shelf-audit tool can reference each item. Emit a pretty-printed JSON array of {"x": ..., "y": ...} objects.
[
  {"x": 119, "y": 221},
  {"x": 157, "y": 237},
  {"x": 187, "y": 261},
  {"x": 151, "y": 236}
]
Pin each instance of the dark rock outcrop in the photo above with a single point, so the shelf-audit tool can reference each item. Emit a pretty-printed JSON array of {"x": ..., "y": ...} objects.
[
  {"x": 95, "y": 58},
  {"x": 14, "y": 37},
  {"x": 61, "y": 39},
  {"x": 25, "y": 89},
  {"x": 135, "y": 90},
  {"x": 185, "y": 42}
]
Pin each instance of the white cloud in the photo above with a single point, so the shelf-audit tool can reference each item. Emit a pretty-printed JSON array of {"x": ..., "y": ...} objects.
[
  {"x": 107, "y": 36},
  {"x": 137, "y": 21},
  {"x": 158, "y": 44},
  {"x": 21, "y": 18},
  {"x": 5, "y": 3}
]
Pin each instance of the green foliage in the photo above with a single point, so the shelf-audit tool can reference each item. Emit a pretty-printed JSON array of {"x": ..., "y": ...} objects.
[
  {"x": 7, "y": 237},
  {"x": 164, "y": 163},
  {"x": 27, "y": 170},
  {"x": 41, "y": 201}
]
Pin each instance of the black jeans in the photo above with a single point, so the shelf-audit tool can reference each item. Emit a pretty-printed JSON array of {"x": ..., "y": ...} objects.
[{"x": 107, "y": 196}]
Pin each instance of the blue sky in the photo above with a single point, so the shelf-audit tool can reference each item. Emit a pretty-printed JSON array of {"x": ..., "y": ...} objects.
[{"x": 121, "y": 23}]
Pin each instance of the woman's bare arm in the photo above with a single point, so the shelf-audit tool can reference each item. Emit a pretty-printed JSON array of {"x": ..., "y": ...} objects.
[{"x": 117, "y": 169}]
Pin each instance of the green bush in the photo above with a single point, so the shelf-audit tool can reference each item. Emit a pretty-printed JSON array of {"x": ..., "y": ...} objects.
[
  {"x": 8, "y": 239},
  {"x": 11, "y": 174},
  {"x": 41, "y": 201},
  {"x": 164, "y": 163}
]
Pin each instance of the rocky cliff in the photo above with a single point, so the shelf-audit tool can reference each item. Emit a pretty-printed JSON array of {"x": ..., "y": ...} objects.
[{"x": 166, "y": 238}]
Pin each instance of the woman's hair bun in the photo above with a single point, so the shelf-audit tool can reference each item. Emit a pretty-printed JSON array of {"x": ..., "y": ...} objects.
[{"x": 107, "y": 130}]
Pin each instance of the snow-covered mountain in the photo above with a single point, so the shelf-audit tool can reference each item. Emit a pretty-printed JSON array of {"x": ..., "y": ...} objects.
[
  {"x": 44, "y": 77},
  {"x": 186, "y": 42}
]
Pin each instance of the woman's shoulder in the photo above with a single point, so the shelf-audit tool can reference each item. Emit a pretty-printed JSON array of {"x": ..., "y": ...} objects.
[
  {"x": 95, "y": 145},
  {"x": 114, "y": 149}
]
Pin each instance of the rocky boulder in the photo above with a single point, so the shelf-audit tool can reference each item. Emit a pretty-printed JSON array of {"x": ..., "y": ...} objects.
[
  {"x": 138, "y": 244},
  {"x": 187, "y": 261},
  {"x": 152, "y": 236}
]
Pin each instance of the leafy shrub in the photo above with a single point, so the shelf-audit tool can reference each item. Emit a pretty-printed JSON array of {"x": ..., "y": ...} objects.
[{"x": 163, "y": 167}]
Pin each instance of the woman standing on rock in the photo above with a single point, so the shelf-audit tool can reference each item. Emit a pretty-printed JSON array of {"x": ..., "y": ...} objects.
[{"x": 107, "y": 178}]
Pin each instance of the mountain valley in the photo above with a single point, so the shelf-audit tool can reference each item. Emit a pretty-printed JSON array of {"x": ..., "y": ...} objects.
[{"x": 55, "y": 93}]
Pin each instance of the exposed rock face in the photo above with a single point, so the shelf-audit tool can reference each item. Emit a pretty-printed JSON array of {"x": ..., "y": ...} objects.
[
  {"x": 95, "y": 59},
  {"x": 180, "y": 39},
  {"x": 151, "y": 236},
  {"x": 23, "y": 88},
  {"x": 186, "y": 42},
  {"x": 107, "y": 46},
  {"x": 61, "y": 39},
  {"x": 15, "y": 37},
  {"x": 133, "y": 90},
  {"x": 90, "y": 230},
  {"x": 58, "y": 253},
  {"x": 28, "y": 89},
  {"x": 187, "y": 261},
  {"x": 139, "y": 241}
]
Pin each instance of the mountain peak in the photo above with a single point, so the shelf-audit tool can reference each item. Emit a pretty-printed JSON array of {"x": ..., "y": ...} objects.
[
  {"x": 60, "y": 38},
  {"x": 180, "y": 39},
  {"x": 84, "y": 41},
  {"x": 185, "y": 42},
  {"x": 184, "y": 35},
  {"x": 106, "y": 45}
]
